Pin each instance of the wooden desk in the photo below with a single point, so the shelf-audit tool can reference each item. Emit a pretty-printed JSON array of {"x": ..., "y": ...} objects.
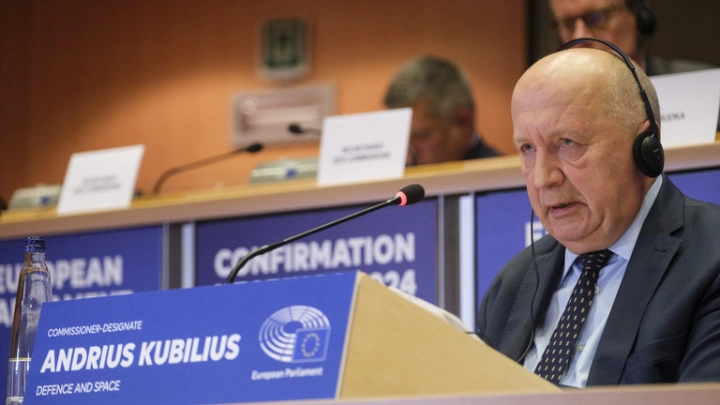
[{"x": 671, "y": 394}]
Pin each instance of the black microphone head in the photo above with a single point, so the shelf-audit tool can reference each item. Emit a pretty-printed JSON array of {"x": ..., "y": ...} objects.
[
  {"x": 299, "y": 129},
  {"x": 410, "y": 194},
  {"x": 296, "y": 129},
  {"x": 255, "y": 147}
]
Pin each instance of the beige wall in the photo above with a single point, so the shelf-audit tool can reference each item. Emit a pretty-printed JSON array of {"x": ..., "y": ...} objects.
[
  {"x": 14, "y": 63},
  {"x": 99, "y": 74}
]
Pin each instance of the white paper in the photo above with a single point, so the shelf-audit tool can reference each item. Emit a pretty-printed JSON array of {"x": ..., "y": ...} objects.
[
  {"x": 100, "y": 180},
  {"x": 689, "y": 104},
  {"x": 364, "y": 147}
]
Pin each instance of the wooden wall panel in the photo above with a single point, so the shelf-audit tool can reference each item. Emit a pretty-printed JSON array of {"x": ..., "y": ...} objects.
[
  {"x": 104, "y": 74},
  {"x": 14, "y": 64}
]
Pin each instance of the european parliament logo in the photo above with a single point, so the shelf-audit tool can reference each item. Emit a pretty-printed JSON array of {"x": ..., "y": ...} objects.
[{"x": 296, "y": 334}]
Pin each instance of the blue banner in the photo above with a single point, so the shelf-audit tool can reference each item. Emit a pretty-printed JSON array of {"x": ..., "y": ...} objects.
[
  {"x": 503, "y": 222},
  {"x": 270, "y": 341},
  {"x": 502, "y": 231},
  {"x": 701, "y": 185},
  {"x": 395, "y": 245},
  {"x": 83, "y": 266}
]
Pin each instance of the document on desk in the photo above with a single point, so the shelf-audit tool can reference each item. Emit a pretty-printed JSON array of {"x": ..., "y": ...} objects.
[
  {"x": 364, "y": 147},
  {"x": 100, "y": 180},
  {"x": 689, "y": 104}
]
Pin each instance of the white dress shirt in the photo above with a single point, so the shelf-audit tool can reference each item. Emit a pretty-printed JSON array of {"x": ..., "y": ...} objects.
[{"x": 607, "y": 287}]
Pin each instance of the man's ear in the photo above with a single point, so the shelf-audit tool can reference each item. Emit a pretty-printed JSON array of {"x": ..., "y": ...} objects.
[{"x": 646, "y": 125}]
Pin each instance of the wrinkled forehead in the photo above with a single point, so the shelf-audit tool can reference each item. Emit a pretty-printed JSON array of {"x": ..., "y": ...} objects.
[{"x": 562, "y": 78}]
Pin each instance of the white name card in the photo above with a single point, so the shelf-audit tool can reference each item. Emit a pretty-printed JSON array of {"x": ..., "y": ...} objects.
[
  {"x": 364, "y": 147},
  {"x": 689, "y": 104},
  {"x": 100, "y": 180}
]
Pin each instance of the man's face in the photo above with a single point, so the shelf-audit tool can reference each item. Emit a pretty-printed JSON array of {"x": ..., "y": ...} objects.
[
  {"x": 436, "y": 140},
  {"x": 577, "y": 163},
  {"x": 609, "y": 20}
]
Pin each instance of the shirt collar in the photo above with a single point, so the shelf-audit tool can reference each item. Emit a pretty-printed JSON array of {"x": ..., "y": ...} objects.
[{"x": 624, "y": 246}]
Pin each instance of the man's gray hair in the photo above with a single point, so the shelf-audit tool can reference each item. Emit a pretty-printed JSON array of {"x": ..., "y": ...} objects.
[
  {"x": 439, "y": 82},
  {"x": 623, "y": 95}
]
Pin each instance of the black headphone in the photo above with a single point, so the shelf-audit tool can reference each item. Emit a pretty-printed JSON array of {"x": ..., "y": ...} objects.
[
  {"x": 647, "y": 150},
  {"x": 644, "y": 17}
]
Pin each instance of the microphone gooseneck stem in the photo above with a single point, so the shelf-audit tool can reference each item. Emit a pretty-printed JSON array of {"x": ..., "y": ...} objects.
[
  {"x": 189, "y": 166},
  {"x": 273, "y": 246}
]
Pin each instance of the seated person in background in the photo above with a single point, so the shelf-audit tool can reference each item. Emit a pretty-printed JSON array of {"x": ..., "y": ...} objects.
[
  {"x": 443, "y": 120},
  {"x": 625, "y": 23},
  {"x": 625, "y": 289}
]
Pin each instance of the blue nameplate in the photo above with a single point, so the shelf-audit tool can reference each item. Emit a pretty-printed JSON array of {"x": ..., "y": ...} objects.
[
  {"x": 260, "y": 341},
  {"x": 83, "y": 265}
]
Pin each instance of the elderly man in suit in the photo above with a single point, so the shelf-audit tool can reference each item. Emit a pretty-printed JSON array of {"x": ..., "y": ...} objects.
[{"x": 626, "y": 287}]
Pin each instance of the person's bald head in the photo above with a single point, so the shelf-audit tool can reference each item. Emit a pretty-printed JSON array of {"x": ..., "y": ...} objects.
[
  {"x": 576, "y": 114},
  {"x": 593, "y": 70}
]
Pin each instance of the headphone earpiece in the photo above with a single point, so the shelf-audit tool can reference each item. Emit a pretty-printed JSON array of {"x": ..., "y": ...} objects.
[
  {"x": 648, "y": 154},
  {"x": 645, "y": 20}
]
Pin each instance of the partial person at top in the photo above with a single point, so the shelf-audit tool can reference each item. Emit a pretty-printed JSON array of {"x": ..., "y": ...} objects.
[
  {"x": 625, "y": 23},
  {"x": 443, "y": 120}
]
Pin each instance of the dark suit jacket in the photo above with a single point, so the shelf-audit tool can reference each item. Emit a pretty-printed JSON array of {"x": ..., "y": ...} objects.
[
  {"x": 659, "y": 66},
  {"x": 664, "y": 325},
  {"x": 479, "y": 150}
]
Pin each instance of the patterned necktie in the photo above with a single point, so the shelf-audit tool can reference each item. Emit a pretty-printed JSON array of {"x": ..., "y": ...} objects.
[{"x": 556, "y": 358}]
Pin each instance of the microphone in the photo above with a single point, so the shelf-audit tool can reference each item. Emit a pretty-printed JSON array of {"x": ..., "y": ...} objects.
[
  {"x": 299, "y": 129},
  {"x": 408, "y": 195},
  {"x": 253, "y": 148}
]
